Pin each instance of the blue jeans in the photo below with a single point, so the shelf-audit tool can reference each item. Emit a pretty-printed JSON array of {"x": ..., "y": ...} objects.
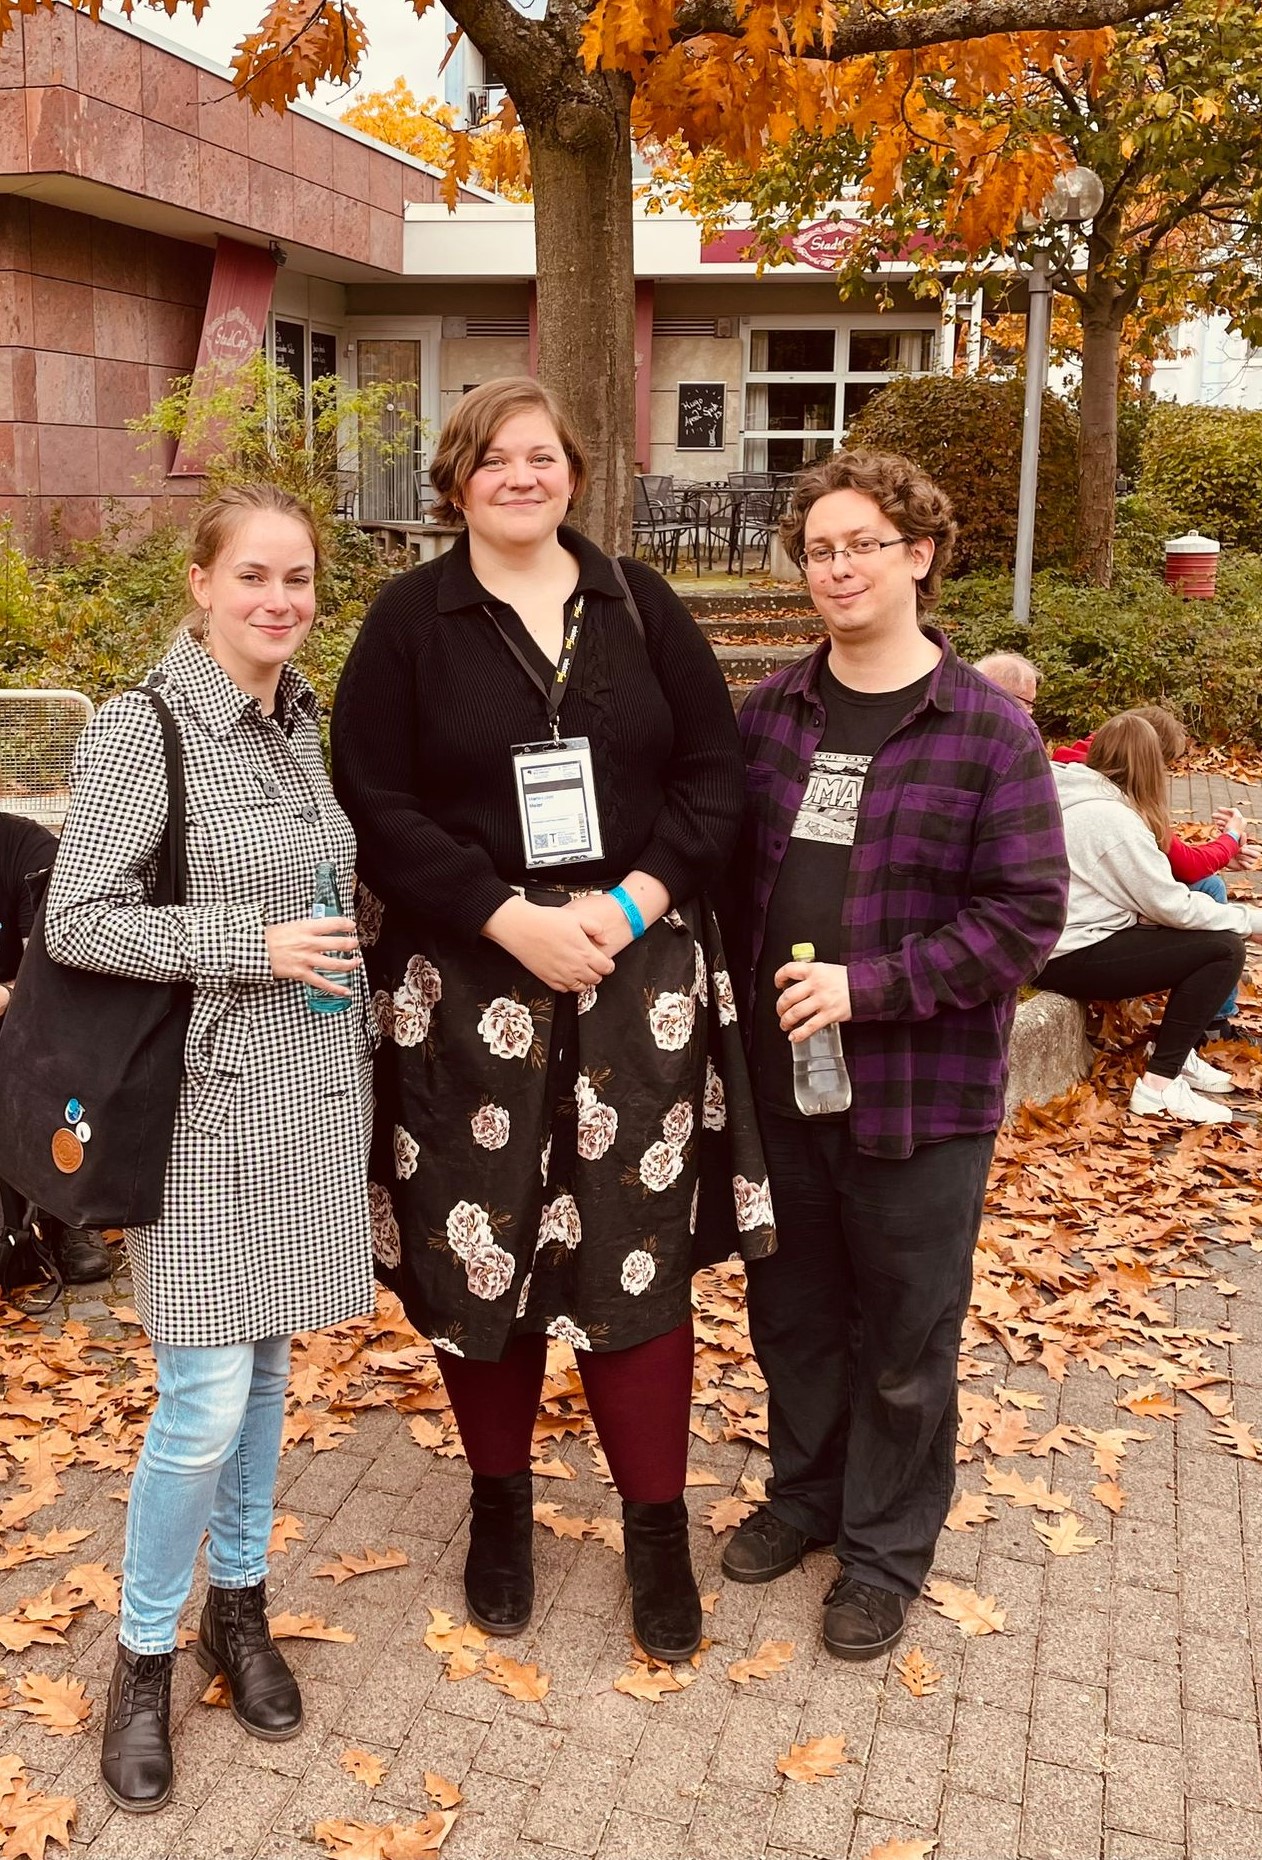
[
  {"x": 208, "y": 1463},
  {"x": 1216, "y": 887}
]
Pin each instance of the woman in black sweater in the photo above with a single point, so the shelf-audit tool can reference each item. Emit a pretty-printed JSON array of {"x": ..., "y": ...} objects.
[{"x": 538, "y": 753}]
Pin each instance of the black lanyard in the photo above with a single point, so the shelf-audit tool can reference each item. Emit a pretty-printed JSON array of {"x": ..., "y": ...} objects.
[{"x": 569, "y": 646}]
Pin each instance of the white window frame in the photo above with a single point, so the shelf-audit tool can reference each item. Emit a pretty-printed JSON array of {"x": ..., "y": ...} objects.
[{"x": 841, "y": 375}]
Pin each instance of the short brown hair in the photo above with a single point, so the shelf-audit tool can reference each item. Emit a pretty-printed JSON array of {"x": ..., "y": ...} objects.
[
  {"x": 473, "y": 423},
  {"x": 906, "y": 494},
  {"x": 1127, "y": 752},
  {"x": 1170, "y": 732},
  {"x": 218, "y": 517}
]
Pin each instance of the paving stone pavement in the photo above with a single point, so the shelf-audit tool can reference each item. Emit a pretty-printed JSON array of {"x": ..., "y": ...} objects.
[{"x": 1116, "y": 1719}]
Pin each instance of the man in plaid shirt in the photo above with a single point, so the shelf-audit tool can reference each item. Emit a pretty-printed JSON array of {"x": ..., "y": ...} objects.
[{"x": 901, "y": 818}]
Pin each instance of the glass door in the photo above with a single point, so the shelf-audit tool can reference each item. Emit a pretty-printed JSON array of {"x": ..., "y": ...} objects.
[{"x": 395, "y": 489}]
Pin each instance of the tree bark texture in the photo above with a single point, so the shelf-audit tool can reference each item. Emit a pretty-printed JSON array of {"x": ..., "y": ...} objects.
[
  {"x": 580, "y": 159},
  {"x": 1097, "y": 441}
]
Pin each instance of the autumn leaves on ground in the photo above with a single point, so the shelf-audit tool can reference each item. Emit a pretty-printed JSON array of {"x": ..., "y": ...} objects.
[{"x": 1093, "y": 1220}]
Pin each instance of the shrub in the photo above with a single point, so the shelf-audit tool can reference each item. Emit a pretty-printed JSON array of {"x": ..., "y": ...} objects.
[
  {"x": 966, "y": 433},
  {"x": 1205, "y": 463},
  {"x": 1103, "y": 650}
]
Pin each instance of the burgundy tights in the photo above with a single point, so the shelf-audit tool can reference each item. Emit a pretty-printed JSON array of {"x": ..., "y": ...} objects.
[{"x": 639, "y": 1400}]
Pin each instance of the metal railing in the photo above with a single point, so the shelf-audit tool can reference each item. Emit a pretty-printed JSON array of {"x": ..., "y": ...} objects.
[{"x": 38, "y": 732}]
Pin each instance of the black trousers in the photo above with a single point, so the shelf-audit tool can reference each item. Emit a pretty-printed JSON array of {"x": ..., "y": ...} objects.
[
  {"x": 856, "y": 1324},
  {"x": 1199, "y": 967}
]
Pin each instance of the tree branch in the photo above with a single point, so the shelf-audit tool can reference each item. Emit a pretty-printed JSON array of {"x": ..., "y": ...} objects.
[
  {"x": 862, "y": 33},
  {"x": 525, "y": 54}
]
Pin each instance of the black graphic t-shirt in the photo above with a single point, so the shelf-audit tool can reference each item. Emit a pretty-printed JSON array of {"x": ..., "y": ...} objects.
[
  {"x": 805, "y": 905},
  {"x": 25, "y": 847}
]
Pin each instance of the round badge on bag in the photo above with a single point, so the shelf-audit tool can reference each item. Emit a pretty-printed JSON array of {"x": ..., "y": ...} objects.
[{"x": 67, "y": 1151}]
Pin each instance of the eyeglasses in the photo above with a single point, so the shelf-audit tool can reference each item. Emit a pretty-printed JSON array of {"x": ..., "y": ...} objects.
[{"x": 819, "y": 556}]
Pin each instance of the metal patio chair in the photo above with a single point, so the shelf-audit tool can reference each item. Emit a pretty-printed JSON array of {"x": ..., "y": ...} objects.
[{"x": 38, "y": 732}]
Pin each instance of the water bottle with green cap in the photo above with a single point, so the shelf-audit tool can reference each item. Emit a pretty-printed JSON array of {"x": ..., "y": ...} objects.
[
  {"x": 821, "y": 1083},
  {"x": 326, "y": 903}
]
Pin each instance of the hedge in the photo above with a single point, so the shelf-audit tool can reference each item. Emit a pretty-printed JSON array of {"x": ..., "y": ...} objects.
[{"x": 1205, "y": 464}]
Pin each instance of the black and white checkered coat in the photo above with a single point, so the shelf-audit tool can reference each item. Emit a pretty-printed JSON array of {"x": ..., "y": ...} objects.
[{"x": 265, "y": 1226}]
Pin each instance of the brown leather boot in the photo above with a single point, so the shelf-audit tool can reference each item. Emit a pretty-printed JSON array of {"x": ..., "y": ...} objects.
[
  {"x": 234, "y": 1639},
  {"x": 136, "y": 1766}
]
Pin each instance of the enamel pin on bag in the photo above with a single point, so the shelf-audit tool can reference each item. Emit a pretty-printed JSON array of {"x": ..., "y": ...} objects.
[{"x": 91, "y": 1064}]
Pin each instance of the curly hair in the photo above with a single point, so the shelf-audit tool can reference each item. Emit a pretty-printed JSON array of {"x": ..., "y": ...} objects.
[
  {"x": 473, "y": 423},
  {"x": 906, "y": 494}
]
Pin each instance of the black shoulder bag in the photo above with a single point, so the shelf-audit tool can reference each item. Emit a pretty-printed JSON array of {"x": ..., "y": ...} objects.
[{"x": 91, "y": 1064}]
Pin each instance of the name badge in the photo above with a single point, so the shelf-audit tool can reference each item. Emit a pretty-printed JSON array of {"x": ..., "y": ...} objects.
[{"x": 556, "y": 798}]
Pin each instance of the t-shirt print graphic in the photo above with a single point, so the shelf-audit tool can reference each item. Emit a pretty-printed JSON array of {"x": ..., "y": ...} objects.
[{"x": 830, "y": 803}]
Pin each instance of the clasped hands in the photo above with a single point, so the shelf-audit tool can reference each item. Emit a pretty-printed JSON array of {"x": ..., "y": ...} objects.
[
  {"x": 569, "y": 946},
  {"x": 1230, "y": 819}
]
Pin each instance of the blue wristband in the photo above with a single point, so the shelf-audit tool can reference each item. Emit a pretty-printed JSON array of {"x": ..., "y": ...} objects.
[{"x": 629, "y": 908}]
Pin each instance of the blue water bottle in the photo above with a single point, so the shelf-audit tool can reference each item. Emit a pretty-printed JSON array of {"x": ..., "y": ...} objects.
[{"x": 326, "y": 903}]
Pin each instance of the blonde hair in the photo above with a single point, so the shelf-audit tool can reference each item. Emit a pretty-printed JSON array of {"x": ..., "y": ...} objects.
[
  {"x": 907, "y": 495},
  {"x": 473, "y": 423},
  {"x": 1127, "y": 751},
  {"x": 1170, "y": 732},
  {"x": 220, "y": 515}
]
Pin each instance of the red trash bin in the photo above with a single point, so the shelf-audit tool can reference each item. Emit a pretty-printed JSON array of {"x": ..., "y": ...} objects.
[{"x": 1192, "y": 566}]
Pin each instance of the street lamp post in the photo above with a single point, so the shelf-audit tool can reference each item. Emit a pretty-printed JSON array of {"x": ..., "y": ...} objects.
[{"x": 1076, "y": 196}]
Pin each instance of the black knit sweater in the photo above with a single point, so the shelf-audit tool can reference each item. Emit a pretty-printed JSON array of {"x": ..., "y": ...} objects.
[{"x": 432, "y": 699}]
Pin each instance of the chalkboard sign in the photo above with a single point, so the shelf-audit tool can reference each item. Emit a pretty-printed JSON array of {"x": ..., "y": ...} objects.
[
  {"x": 701, "y": 407},
  {"x": 291, "y": 345}
]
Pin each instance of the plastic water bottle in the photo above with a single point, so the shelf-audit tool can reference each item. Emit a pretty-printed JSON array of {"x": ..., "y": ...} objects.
[
  {"x": 820, "y": 1081},
  {"x": 326, "y": 903}
]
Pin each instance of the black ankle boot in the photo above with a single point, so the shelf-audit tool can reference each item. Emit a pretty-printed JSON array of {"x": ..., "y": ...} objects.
[
  {"x": 665, "y": 1606},
  {"x": 233, "y": 1638},
  {"x": 499, "y": 1573},
  {"x": 136, "y": 1749}
]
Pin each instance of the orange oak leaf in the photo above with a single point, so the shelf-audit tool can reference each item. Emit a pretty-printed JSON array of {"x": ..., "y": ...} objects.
[
  {"x": 306, "y": 1627},
  {"x": 918, "y": 1673},
  {"x": 1066, "y": 1536},
  {"x": 606, "y": 1531},
  {"x": 1110, "y": 1495},
  {"x": 1019, "y": 1491},
  {"x": 1237, "y": 1436},
  {"x": 769, "y": 1659},
  {"x": 363, "y": 1766},
  {"x": 724, "y": 1513},
  {"x": 30, "y": 1549},
  {"x": 642, "y": 1681},
  {"x": 425, "y": 1433},
  {"x": 29, "y": 1825},
  {"x": 353, "y": 1840},
  {"x": 1150, "y": 1401},
  {"x": 818, "y": 1757},
  {"x": 347, "y": 1564},
  {"x": 418, "y": 1838},
  {"x": 91, "y": 1583},
  {"x": 59, "y": 1705},
  {"x": 698, "y": 1476},
  {"x": 969, "y": 1509},
  {"x": 973, "y": 1614},
  {"x": 554, "y": 1519},
  {"x": 1058, "y": 1439},
  {"x": 460, "y": 1647},
  {"x": 439, "y": 1790},
  {"x": 286, "y": 1530},
  {"x": 901, "y": 1850},
  {"x": 520, "y": 1681}
]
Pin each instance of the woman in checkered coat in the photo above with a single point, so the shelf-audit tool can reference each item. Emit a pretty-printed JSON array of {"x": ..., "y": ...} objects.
[{"x": 265, "y": 1225}]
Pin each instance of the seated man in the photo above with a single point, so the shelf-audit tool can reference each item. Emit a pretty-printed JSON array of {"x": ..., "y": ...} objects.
[
  {"x": 1012, "y": 674},
  {"x": 25, "y": 849},
  {"x": 903, "y": 820}
]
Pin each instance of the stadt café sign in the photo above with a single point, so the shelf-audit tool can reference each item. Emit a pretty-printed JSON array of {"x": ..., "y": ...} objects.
[{"x": 822, "y": 245}]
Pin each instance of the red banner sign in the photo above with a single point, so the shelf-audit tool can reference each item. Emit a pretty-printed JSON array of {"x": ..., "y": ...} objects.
[{"x": 232, "y": 331}]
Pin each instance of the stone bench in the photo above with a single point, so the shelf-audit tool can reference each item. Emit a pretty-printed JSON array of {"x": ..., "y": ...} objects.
[{"x": 1049, "y": 1051}]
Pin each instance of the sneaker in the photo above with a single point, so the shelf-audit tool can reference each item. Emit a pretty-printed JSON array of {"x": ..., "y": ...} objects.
[
  {"x": 764, "y": 1547},
  {"x": 1178, "y": 1101},
  {"x": 861, "y": 1622},
  {"x": 1201, "y": 1076}
]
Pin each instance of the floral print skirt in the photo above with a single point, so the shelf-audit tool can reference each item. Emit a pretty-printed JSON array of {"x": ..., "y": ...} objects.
[{"x": 559, "y": 1162}]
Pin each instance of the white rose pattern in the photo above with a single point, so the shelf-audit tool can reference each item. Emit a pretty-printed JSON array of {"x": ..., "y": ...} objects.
[
  {"x": 560, "y": 1222},
  {"x": 671, "y": 1021},
  {"x": 753, "y": 1204},
  {"x": 586, "y": 1000},
  {"x": 700, "y": 987},
  {"x": 445, "y": 1343},
  {"x": 406, "y": 1151},
  {"x": 584, "y": 1092},
  {"x": 659, "y": 1166},
  {"x": 415, "y": 999},
  {"x": 569, "y": 1332},
  {"x": 490, "y": 1126},
  {"x": 725, "y": 1000},
  {"x": 508, "y": 1027},
  {"x": 692, "y": 1212},
  {"x": 639, "y": 1269},
  {"x": 597, "y": 1131},
  {"x": 545, "y": 1157},
  {"x": 468, "y": 1229},
  {"x": 524, "y": 1296},
  {"x": 369, "y": 912},
  {"x": 677, "y": 1124},
  {"x": 714, "y": 1103},
  {"x": 489, "y": 1272},
  {"x": 385, "y": 1228}
]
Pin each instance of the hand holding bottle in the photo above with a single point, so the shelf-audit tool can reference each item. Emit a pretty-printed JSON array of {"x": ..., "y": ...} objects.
[{"x": 308, "y": 948}]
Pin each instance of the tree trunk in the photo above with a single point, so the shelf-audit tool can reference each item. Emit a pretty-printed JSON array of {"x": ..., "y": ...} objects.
[
  {"x": 1097, "y": 442},
  {"x": 580, "y": 159}
]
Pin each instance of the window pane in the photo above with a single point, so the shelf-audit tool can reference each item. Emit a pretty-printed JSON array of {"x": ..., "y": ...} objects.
[
  {"x": 858, "y": 394},
  {"x": 323, "y": 354},
  {"x": 793, "y": 408},
  {"x": 792, "y": 454},
  {"x": 792, "y": 351},
  {"x": 874, "y": 351},
  {"x": 291, "y": 349}
]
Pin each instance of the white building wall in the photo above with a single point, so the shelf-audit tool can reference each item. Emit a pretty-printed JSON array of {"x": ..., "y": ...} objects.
[{"x": 1213, "y": 367}]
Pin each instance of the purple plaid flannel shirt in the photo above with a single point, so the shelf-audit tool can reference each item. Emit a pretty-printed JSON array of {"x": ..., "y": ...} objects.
[{"x": 955, "y": 894}]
